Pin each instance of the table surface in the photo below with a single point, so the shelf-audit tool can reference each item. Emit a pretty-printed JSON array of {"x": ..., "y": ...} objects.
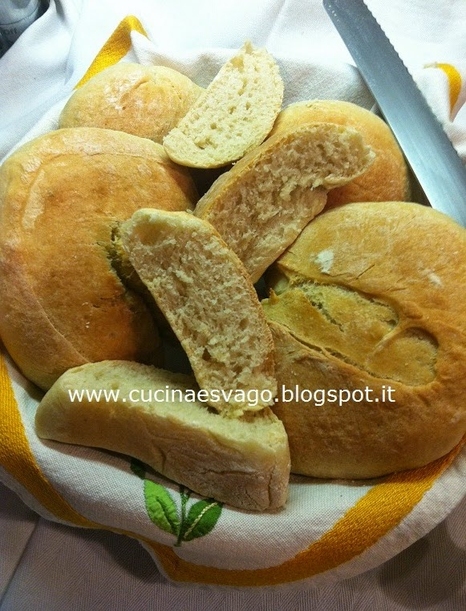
[{"x": 49, "y": 567}]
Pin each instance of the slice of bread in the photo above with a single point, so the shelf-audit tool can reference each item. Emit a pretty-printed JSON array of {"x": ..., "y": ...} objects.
[
  {"x": 234, "y": 114},
  {"x": 261, "y": 204},
  {"x": 153, "y": 417},
  {"x": 205, "y": 294},
  {"x": 387, "y": 179}
]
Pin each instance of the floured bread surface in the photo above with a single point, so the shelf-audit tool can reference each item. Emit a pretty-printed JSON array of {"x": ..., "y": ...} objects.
[
  {"x": 368, "y": 312},
  {"x": 205, "y": 294},
  {"x": 146, "y": 101},
  {"x": 386, "y": 179},
  {"x": 62, "y": 302},
  {"x": 261, "y": 204},
  {"x": 234, "y": 114},
  {"x": 154, "y": 418}
]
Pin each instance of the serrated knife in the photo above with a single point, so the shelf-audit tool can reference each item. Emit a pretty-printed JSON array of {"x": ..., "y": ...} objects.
[{"x": 428, "y": 150}]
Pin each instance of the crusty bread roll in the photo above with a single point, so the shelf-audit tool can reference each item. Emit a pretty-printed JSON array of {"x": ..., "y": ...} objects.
[
  {"x": 205, "y": 294},
  {"x": 156, "y": 418},
  {"x": 62, "y": 302},
  {"x": 368, "y": 313},
  {"x": 387, "y": 179},
  {"x": 262, "y": 203},
  {"x": 233, "y": 115},
  {"x": 146, "y": 101}
]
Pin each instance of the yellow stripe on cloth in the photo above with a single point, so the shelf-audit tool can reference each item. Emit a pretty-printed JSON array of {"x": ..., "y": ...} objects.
[
  {"x": 116, "y": 47},
  {"x": 370, "y": 519},
  {"x": 455, "y": 82},
  {"x": 16, "y": 456}
]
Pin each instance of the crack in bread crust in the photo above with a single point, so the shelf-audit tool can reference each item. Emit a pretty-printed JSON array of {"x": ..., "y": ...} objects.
[{"x": 359, "y": 329}]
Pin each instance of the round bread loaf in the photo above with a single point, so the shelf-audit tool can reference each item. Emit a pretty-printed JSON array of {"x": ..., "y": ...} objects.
[
  {"x": 146, "y": 101},
  {"x": 368, "y": 315},
  {"x": 387, "y": 179},
  {"x": 62, "y": 302}
]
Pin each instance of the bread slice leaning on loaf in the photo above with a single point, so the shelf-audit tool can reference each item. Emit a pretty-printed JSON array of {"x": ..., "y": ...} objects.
[
  {"x": 233, "y": 115},
  {"x": 243, "y": 462},
  {"x": 387, "y": 179},
  {"x": 264, "y": 201},
  {"x": 204, "y": 292}
]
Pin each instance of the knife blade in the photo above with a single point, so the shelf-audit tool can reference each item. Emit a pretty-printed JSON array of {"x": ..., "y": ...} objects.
[{"x": 427, "y": 148}]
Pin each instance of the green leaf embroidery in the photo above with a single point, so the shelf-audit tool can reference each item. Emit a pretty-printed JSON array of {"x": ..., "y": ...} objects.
[
  {"x": 187, "y": 523},
  {"x": 201, "y": 519},
  {"x": 161, "y": 508}
]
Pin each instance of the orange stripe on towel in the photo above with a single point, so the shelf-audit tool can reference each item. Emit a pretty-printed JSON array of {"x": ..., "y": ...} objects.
[
  {"x": 116, "y": 47},
  {"x": 368, "y": 521},
  {"x": 16, "y": 456},
  {"x": 455, "y": 82}
]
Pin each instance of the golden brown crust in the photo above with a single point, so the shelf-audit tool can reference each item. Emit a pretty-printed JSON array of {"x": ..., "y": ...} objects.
[
  {"x": 387, "y": 179},
  {"x": 371, "y": 296},
  {"x": 61, "y": 300},
  {"x": 146, "y": 101}
]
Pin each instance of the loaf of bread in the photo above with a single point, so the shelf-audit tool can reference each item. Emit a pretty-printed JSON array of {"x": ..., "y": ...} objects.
[
  {"x": 146, "y": 101},
  {"x": 387, "y": 178},
  {"x": 62, "y": 302},
  {"x": 233, "y": 115},
  {"x": 262, "y": 203},
  {"x": 205, "y": 294},
  {"x": 160, "y": 418},
  {"x": 368, "y": 315}
]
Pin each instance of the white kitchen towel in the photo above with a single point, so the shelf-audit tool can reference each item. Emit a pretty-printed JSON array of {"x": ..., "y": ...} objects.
[
  {"x": 41, "y": 69},
  {"x": 329, "y": 530}
]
